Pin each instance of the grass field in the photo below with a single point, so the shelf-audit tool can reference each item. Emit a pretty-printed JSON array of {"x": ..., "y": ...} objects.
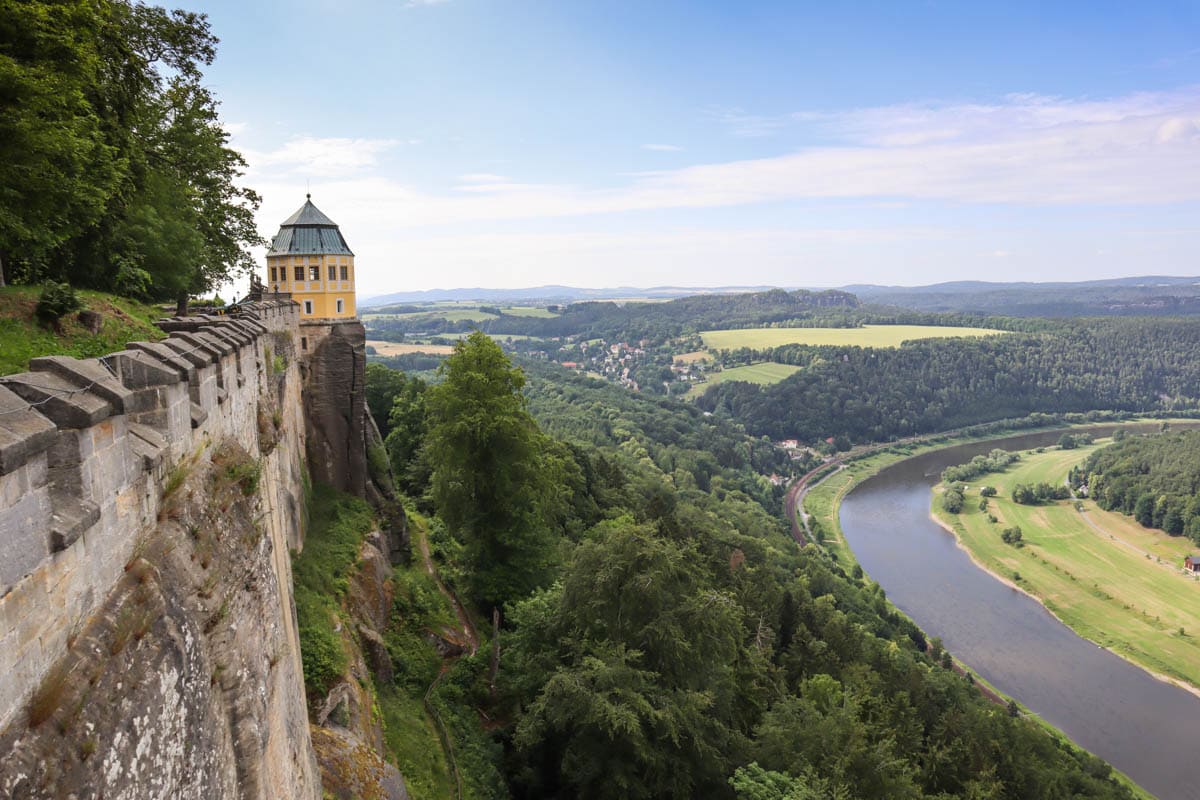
[
  {"x": 866, "y": 336},
  {"x": 693, "y": 357},
  {"x": 764, "y": 373},
  {"x": 399, "y": 349},
  {"x": 22, "y": 338},
  {"x": 1108, "y": 578}
]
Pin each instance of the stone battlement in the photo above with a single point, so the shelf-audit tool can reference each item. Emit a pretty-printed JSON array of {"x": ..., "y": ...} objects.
[{"x": 87, "y": 448}]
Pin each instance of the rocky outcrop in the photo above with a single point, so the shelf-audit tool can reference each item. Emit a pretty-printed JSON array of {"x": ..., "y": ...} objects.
[{"x": 335, "y": 406}]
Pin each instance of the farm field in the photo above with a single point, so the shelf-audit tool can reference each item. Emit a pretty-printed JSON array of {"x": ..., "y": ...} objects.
[
  {"x": 764, "y": 373},
  {"x": 403, "y": 348},
  {"x": 1111, "y": 580},
  {"x": 866, "y": 336},
  {"x": 693, "y": 357}
]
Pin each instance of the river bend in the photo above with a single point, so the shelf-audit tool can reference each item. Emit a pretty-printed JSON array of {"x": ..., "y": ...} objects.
[{"x": 1145, "y": 727}]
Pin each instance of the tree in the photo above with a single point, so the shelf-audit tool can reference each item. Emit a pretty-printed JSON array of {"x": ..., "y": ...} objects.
[
  {"x": 114, "y": 168},
  {"x": 952, "y": 501},
  {"x": 495, "y": 480}
]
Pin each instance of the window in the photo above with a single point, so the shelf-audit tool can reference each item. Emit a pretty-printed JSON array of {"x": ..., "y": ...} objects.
[
  {"x": 274, "y": 275},
  {"x": 308, "y": 306},
  {"x": 303, "y": 342},
  {"x": 332, "y": 272},
  {"x": 299, "y": 273},
  {"x": 314, "y": 273},
  {"x": 345, "y": 273},
  {"x": 341, "y": 305}
]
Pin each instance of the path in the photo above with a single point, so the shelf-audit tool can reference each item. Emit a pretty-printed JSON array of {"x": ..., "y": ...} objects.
[{"x": 467, "y": 631}]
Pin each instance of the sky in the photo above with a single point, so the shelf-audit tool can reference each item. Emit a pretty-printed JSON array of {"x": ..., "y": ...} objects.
[{"x": 515, "y": 143}]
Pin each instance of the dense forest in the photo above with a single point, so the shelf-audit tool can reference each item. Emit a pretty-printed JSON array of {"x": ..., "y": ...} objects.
[
  {"x": 1154, "y": 479},
  {"x": 115, "y": 171},
  {"x": 940, "y": 384},
  {"x": 662, "y": 634}
]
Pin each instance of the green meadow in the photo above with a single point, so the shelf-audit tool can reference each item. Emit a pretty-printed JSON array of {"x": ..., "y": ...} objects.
[
  {"x": 1111, "y": 580},
  {"x": 764, "y": 373}
]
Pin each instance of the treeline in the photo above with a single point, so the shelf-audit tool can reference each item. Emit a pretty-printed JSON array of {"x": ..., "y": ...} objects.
[
  {"x": 658, "y": 322},
  {"x": 115, "y": 172},
  {"x": 662, "y": 635},
  {"x": 1154, "y": 479},
  {"x": 869, "y": 394},
  {"x": 995, "y": 461}
]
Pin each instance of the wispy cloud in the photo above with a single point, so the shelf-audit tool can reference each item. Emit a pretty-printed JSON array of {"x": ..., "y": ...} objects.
[
  {"x": 663, "y": 148},
  {"x": 1030, "y": 151},
  {"x": 746, "y": 125},
  {"x": 322, "y": 156}
]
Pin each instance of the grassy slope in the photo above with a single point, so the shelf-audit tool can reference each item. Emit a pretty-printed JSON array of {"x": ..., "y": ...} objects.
[
  {"x": 22, "y": 338},
  {"x": 1112, "y": 581},
  {"x": 866, "y": 336},
  {"x": 763, "y": 374}
]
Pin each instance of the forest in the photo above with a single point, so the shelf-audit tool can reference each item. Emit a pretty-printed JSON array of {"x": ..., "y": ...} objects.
[
  {"x": 662, "y": 634},
  {"x": 940, "y": 384},
  {"x": 115, "y": 170},
  {"x": 1154, "y": 479}
]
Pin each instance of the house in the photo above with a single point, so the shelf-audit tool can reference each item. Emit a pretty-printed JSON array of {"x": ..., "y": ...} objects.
[{"x": 1192, "y": 563}]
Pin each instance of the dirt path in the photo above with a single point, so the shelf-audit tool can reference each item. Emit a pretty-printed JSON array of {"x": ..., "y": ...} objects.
[
  {"x": 467, "y": 631},
  {"x": 464, "y": 621}
]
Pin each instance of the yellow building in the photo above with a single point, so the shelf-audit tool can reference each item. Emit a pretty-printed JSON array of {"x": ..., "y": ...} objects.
[{"x": 309, "y": 259}]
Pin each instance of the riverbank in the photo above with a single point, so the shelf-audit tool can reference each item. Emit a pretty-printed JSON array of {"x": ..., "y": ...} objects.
[{"x": 1101, "y": 574}]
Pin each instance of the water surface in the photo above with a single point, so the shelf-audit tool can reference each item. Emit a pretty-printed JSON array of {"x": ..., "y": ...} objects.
[{"x": 1146, "y": 728}]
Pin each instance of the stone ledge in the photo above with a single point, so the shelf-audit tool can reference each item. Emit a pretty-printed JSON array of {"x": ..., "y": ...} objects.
[
  {"x": 23, "y": 432},
  {"x": 90, "y": 373},
  {"x": 63, "y": 402}
]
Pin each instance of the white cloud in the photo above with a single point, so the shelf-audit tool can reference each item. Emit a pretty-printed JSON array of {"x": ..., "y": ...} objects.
[
  {"x": 308, "y": 155},
  {"x": 663, "y": 148},
  {"x": 1026, "y": 151}
]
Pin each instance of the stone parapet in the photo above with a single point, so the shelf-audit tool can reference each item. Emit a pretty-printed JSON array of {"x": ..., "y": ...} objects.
[{"x": 86, "y": 448}]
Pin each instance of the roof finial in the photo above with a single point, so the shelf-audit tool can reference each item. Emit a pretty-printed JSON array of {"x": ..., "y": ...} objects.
[{"x": 308, "y": 196}]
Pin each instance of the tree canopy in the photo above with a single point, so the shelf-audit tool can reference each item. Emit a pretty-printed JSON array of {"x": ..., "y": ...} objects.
[{"x": 115, "y": 171}]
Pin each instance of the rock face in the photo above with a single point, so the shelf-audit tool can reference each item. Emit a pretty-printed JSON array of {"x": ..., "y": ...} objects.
[
  {"x": 148, "y": 503},
  {"x": 185, "y": 683},
  {"x": 335, "y": 406}
]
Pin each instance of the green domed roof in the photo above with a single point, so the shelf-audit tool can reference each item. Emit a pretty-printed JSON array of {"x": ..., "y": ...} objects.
[{"x": 309, "y": 232}]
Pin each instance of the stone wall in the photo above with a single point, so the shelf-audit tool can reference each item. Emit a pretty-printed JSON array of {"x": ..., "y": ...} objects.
[{"x": 89, "y": 452}]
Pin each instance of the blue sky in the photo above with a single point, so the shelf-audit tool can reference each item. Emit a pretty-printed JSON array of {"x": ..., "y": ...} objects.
[{"x": 510, "y": 143}]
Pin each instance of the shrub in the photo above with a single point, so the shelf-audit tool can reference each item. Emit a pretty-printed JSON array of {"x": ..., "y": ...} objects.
[{"x": 56, "y": 301}]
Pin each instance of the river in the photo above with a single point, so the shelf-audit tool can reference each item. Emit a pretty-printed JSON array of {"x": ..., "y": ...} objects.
[{"x": 1145, "y": 727}]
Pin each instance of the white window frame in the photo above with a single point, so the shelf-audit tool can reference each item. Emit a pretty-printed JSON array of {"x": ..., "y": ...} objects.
[
  {"x": 308, "y": 307},
  {"x": 341, "y": 305}
]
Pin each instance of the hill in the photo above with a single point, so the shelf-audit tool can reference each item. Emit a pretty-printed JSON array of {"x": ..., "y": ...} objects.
[{"x": 120, "y": 320}]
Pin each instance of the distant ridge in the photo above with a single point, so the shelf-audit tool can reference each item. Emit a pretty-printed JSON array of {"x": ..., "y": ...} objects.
[{"x": 543, "y": 294}]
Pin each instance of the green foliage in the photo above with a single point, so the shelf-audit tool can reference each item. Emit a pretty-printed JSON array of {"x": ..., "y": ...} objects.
[
  {"x": 114, "y": 169},
  {"x": 1012, "y": 536},
  {"x": 952, "y": 501},
  {"x": 996, "y": 461},
  {"x": 338, "y": 524},
  {"x": 56, "y": 301},
  {"x": 495, "y": 479},
  {"x": 874, "y": 394},
  {"x": 1154, "y": 479},
  {"x": 1037, "y": 493}
]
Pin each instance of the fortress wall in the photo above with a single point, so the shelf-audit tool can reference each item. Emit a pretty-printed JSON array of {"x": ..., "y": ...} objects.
[{"x": 88, "y": 448}]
